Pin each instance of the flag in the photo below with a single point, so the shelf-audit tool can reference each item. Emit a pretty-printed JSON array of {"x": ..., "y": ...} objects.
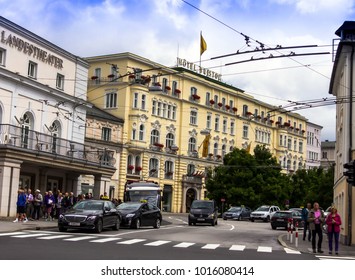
[
  {"x": 205, "y": 144},
  {"x": 203, "y": 45},
  {"x": 248, "y": 148}
]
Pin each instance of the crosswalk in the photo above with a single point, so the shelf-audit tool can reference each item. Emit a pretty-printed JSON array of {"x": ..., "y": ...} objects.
[{"x": 131, "y": 241}]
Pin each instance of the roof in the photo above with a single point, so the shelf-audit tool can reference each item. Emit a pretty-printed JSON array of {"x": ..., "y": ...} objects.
[
  {"x": 328, "y": 144},
  {"x": 98, "y": 113},
  {"x": 346, "y": 26}
]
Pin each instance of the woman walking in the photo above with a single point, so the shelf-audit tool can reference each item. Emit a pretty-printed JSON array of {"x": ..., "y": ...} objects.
[{"x": 333, "y": 221}]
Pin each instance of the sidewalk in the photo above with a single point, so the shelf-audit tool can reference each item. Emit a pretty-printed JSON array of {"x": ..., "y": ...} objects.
[
  {"x": 306, "y": 246},
  {"x": 7, "y": 224}
]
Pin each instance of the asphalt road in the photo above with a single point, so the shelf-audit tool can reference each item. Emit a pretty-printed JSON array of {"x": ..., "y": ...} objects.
[{"x": 175, "y": 240}]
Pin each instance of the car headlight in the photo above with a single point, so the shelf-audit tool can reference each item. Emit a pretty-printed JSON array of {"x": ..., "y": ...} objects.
[
  {"x": 91, "y": 218},
  {"x": 130, "y": 215},
  {"x": 61, "y": 217},
  {"x": 211, "y": 216}
]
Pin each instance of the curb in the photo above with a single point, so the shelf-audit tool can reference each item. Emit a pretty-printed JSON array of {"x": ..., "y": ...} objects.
[{"x": 283, "y": 243}]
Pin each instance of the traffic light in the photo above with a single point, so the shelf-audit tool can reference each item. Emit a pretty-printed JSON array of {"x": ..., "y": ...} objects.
[{"x": 350, "y": 172}]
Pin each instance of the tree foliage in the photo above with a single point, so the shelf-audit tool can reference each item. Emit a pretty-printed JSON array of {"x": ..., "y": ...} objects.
[{"x": 253, "y": 180}]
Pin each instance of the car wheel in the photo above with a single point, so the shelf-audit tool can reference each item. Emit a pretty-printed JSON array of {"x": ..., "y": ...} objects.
[
  {"x": 213, "y": 223},
  {"x": 225, "y": 219},
  {"x": 98, "y": 227},
  {"x": 273, "y": 227},
  {"x": 117, "y": 224},
  {"x": 252, "y": 219},
  {"x": 62, "y": 229},
  {"x": 137, "y": 224},
  {"x": 267, "y": 219},
  {"x": 157, "y": 223},
  {"x": 239, "y": 218}
]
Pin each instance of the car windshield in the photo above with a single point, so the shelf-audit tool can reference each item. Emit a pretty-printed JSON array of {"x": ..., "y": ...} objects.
[
  {"x": 89, "y": 205},
  {"x": 282, "y": 214},
  {"x": 263, "y": 208},
  {"x": 235, "y": 209},
  {"x": 202, "y": 204},
  {"x": 129, "y": 206}
]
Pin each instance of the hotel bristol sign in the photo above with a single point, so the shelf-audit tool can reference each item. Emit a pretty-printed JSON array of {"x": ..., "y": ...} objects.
[
  {"x": 198, "y": 69},
  {"x": 30, "y": 49}
]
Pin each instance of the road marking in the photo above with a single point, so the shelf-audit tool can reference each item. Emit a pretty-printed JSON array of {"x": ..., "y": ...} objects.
[
  {"x": 290, "y": 251},
  {"x": 54, "y": 237},
  {"x": 210, "y": 246},
  {"x": 30, "y": 235},
  {"x": 11, "y": 233},
  {"x": 323, "y": 258},
  {"x": 79, "y": 238},
  {"x": 180, "y": 220},
  {"x": 146, "y": 230},
  {"x": 232, "y": 226},
  {"x": 157, "y": 243},
  {"x": 184, "y": 245},
  {"x": 237, "y": 248},
  {"x": 264, "y": 249},
  {"x": 131, "y": 241},
  {"x": 103, "y": 240}
]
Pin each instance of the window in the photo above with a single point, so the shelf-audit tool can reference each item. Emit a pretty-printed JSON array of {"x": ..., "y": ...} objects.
[
  {"x": 285, "y": 139},
  {"x": 224, "y": 148},
  {"x": 106, "y": 134},
  {"x": 190, "y": 169},
  {"x": 25, "y": 130},
  {"x": 208, "y": 98},
  {"x": 193, "y": 91},
  {"x": 215, "y": 149},
  {"x": 173, "y": 88},
  {"x": 134, "y": 134},
  {"x": 193, "y": 117},
  {"x": 280, "y": 143},
  {"x": 232, "y": 128},
  {"x": 98, "y": 75},
  {"x": 209, "y": 121},
  {"x": 55, "y": 131},
  {"x": 169, "y": 112},
  {"x": 111, "y": 100},
  {"x": 60, "y": 81},
  {"x": 324, "y": 155},
  {"x": 154, "y": 136},
  {"x": 245, "y": 131},
  {"x": 231, "y": 104},
  {"x": 224, "y": 128},
  {"x": 169, "y": 140},
  {"x": 245, "y": 110},
  {"x": 113, "y": 75},
  {"x": 192, "y": 145},
  {"x": 164, "y": 111},
  {"x": 289, "y": 143},
  {"x": 159, "y": 109},
  {"x": 215, "y": 101},
  {"x": 256, "y": 113},
  {"x": 224, "y": 103},
  {"x": 174, "y": 113},
  {"x": 2, "y": 56},
  {"x": 165, "y": 83},
  {"x": 153, "y": 167},
  {"x": 143, "y": 102},
  {"x": 32, "y": 70},
  {"x": 169, "y": 169},
  {"x": 154, "y": 107},
  {"x": 300, "y": 147},
  {"x": 135, "y": 100},
  {"x": 295, "y": 145},
  {"x": 216, "y": 123},
  {"x": 141, "y": 132},
  {"x": 130, "y": 164}
]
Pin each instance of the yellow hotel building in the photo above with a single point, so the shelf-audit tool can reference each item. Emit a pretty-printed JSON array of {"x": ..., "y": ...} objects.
[{"x": 169, "y": 112}]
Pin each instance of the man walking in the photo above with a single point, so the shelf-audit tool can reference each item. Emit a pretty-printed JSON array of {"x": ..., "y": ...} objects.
[
  {"x": 305, "y": 212},
  {"x": 21, "y": 207},
  {"x": 315, "y": 219}
]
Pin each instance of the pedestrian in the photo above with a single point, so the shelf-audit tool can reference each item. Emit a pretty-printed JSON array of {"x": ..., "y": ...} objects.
[
  {"x": 306, "y": 228},
  {"x": 37, "y": 203},
  {"x": 21, "y": 206},
  {"x": 333, "y": 221},
  {"x": 29, "y": 205},
  {"x": 315, "y": 219},
  {"x": 72, "y": 199},
  {"x": 105, "y": 196},
  {"x": 65, "y": 202},
  {"x": 49, "y": 203},
  {"x": 58, "y": 205}
]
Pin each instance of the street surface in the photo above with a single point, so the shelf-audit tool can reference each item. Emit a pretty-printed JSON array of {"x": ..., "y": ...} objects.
[{"x": 175, "y": 240}]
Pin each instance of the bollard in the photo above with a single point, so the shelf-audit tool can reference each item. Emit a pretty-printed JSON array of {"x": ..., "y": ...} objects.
[
  {"x": 296, "y": 239},
  {"x": 291, "y": 237}
]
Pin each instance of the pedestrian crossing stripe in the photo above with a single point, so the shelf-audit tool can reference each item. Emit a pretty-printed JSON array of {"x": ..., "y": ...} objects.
[
  {"x": 264, "y": 249},
  {"x": 237, "y": 248},
  {"x": 30, "y": 235},
  {"x": 290, "y": 251},
  {"x": 157, "y": 243},
  {"x": 54, "y": 237},
  {"x": 323, "y": 258},
  {"x": 210, "y": 246},
  {"x": 11, "y": 233},
  {"x": 104, "y": 240},
  {"x": 131, "y": 241},
  {"x": 184, "y": 245},
  {"x": 79, "y": 238}
]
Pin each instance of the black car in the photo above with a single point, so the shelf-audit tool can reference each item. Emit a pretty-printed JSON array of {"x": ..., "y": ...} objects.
[
  {"x": 136, "y": 214},
  {"x": 90, "y": 214},
  {"x": 281, "y": 218},
  {"x": 237, "y": 213},
  {"x": 203, "y": 211}
]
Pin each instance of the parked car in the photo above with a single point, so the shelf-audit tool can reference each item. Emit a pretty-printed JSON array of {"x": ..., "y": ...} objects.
[
  {"x": 90, "y": 214},
  {"x": 237, "y": 213},
  {"x": 203, "y": 211},
  {"x": 264, "y": 213},
  {"x": 280, "y": 219},
  {"x": 137, "y": 214},
  {"x": 296, "y": 209}
]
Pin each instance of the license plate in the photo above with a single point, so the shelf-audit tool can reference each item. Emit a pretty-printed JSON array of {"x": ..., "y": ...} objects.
[
  {"x": 280, "y": 220},
  {"x": 74, "y": 224},
  {"x": 200, "y": 219}
]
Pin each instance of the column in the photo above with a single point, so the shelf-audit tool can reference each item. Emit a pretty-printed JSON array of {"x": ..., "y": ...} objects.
[{"x": 101, "y": 185}]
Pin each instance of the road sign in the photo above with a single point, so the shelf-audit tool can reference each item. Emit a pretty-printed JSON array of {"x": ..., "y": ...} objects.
[{"x": 223, "y": 199}]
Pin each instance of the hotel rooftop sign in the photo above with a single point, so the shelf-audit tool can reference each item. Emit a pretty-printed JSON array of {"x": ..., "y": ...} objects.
[{"x": 198, "y": 69}]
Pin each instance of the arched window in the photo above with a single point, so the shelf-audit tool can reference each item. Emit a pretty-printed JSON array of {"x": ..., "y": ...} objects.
[
  {"x": 215, "y": 101},
  {"x": 25, "y": 129},
  {"x": 223, "y": 150},
  {"x": 294, "y": 166},
  {"x": 56, "y": 134},
  {"x": 141, "y": 132},
  {"x": 215, "y": 149},
  {"x": 154, "y": 136},
  {"x": 231, "y": 148},
  {"x": 130, "y": 164},
  {"x": 190, "y": 169},
  {"x": 153, "y": 167},
  {"x": 300, "y": 165},
  {"x": 169, "y": 140},
  {"x": 192, "y": 144},
  {"x": 169, "y": 169},
  {"x": 137, "y": 165}
]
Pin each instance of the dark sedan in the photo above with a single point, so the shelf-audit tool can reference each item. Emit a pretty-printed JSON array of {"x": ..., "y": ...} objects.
[
  {"x": 237, "y": 213},
  {"x": 136, "y": 214},
  {"x": 90, "y": 214},
  {"x": 280, "y": 219}
]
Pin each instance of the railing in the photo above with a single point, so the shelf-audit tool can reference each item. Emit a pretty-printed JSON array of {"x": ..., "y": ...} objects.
[{"x": 30, "y": 140}]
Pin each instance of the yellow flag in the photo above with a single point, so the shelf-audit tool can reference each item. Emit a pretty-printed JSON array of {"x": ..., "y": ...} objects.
[
  {"x": 248, "y": 148},
  {"x": 203, "y": 44},
  {"x": 205, "y": 145}
]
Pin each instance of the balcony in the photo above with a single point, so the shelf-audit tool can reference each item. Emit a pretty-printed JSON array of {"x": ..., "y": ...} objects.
[
  {"x": 15, "y": 137},
  {"x": 192, "y": 179}
]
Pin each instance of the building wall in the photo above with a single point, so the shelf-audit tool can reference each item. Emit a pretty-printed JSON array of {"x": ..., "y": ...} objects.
[{"x": 313, "y": 145}]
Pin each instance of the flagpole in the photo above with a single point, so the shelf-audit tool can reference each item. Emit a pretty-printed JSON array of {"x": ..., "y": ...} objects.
[{"x": 200, "y": 47}]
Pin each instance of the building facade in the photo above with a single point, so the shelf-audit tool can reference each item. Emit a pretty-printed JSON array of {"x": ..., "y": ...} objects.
[
  {"x": 314, "y": 132},
  {"x": 328, "y": 154},
  {"x": 180, "y": 121},
  {"x": 42, "y": 119},
  {"x": 342, "y": 86}
]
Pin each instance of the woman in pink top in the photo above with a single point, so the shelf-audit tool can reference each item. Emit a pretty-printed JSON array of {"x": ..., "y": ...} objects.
[{"x": 333, "y": 221}]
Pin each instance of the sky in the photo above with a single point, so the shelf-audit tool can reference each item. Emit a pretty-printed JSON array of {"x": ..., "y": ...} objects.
[{"x": 161, "y": 30}]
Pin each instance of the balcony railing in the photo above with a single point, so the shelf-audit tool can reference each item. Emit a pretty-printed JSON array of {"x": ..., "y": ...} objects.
[{"x": 30, "y": 140}]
